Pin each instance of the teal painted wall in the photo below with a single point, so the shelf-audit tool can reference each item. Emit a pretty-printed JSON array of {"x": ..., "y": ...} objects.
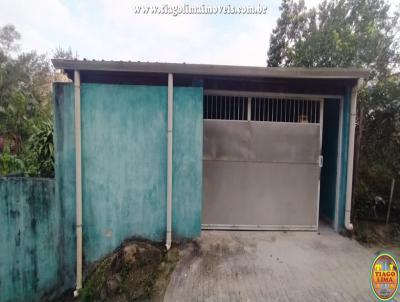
[
  {"x": 329, "y": 152},
  {"x": 30, "y": 249},
  {"x": 124, "y": 158},
  {"x": 344, "y": 156},
  {"x": 64, "y": 140},
  {"x": 187, "y": 187},
  {"x": 124, "y": 147}
]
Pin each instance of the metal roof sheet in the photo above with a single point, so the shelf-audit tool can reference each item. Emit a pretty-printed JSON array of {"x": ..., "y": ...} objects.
[{"x": 211, "y": 70}]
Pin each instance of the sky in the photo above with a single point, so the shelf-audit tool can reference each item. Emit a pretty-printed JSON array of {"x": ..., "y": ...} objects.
[{"x": 110, "y": 30}]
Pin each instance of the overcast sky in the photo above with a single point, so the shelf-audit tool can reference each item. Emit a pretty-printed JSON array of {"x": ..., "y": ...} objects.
[{"x": 110, "y": 30}]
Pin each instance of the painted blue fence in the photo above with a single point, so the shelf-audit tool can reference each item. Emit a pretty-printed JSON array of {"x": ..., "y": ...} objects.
[{"x": 32, "y": 240}]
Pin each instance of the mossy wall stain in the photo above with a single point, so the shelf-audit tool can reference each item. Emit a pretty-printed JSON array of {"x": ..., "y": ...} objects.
[{"x": 29, "y": 253}]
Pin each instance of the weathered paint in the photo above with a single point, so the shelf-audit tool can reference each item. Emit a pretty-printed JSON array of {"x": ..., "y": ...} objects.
[
  {"x": 64, "y": 140},
  {"x": 329, "y": 152},
  {"x": 187, "y": 162},
  {"x": 344, "y": 156},
  {"x": 124, "y": 154},
  {"x": 30, "y": 249},
  {"x": 124, "y": 149}
]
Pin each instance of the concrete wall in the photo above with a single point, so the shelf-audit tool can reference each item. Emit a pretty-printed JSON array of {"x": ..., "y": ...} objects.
[
  {"x": 31, "y": 248},
  {"x": 187, "y": 163},
  {"x": 64, "y": 140},
  {"x": 124, "y": 154},
  {"x": 344, "y": 155},
  {"x": 329, "y": 152}
]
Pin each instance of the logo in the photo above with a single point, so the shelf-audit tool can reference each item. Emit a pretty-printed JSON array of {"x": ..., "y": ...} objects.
[{"x": 384, "y": 277}]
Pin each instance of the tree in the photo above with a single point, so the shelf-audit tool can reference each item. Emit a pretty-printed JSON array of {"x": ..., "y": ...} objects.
[
  {"x": 352, "y": 33},
  {"x": 341, "y": 33},
  {"x": 293, "y": 25},
  {"x": 8, "y": 37},
  {"x": 61, "y": 53},
  {"x": 25, "y": 95}
]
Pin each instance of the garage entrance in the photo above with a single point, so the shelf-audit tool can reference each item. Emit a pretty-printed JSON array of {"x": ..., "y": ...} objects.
[{"x": 261, "y": 161}]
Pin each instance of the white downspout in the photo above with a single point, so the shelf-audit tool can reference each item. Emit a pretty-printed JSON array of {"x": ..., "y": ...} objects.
[
  {"x": 78, "y": 185},
  {"x": 349, "y": 188},
  {"x": 169, "y": 160}
]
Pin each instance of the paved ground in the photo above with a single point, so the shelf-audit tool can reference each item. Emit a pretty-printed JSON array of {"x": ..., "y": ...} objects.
[{"x": 272, "y": 266}]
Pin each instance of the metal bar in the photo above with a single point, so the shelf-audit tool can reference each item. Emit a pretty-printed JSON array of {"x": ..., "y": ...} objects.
[
  {"x": 297, "y": 162},
  {"x": 289, "y": 123},
  {"x": 205, "y": 107},
  {"x": 225, "y": 107},
  {"x": 229, "y": 104},
  {"x": 285, "y": 109},
  {"x": 209, "y": 106},
  {"x": 249, "y": 109},
  {"x": 221, "y": 107},
  {"x": 321, "y": 125},
  {"x": 321, "y": 121},
  {"x": 259, "y": 227},
  {"x": 312, "y": 111},
  {"x": 316, "y": 97},
  {"x": 169, "y": 159},
  {"x": 78, "y": 182},
  {"x": 243, "y": 108},
  {"x": 306, "y": 113},
  {"x": 236, "y": 108}
]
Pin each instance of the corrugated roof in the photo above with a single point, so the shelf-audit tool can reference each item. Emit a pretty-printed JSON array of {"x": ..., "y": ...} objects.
[{"x": 211, "y": 70}]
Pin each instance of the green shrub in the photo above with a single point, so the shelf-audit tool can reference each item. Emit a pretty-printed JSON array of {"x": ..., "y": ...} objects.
[{"x": 10, "y": 164}]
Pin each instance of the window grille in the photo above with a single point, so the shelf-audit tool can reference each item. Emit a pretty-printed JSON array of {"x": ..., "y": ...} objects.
[
  {"x": 287, "y": 110},
  {"x": 225, "y": 107}
]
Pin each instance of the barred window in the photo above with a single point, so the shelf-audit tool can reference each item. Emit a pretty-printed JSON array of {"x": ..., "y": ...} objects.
[{"x": 288, "y": 110}]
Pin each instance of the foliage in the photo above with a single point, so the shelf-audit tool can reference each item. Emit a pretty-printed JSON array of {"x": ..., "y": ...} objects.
[
  {"x": 352, "y": 33},
  {"x": 61, "y": 53},
  {"x": 380, "y": 160},
  {"x": 40, "y": 156},
  {"x": 25, "y": 94},
  {"x": 25, "y": 105},
  {"x": 8, "y": 35},
  {"x": 10, "y": 164},
  {"x": 340, "y": 33}
]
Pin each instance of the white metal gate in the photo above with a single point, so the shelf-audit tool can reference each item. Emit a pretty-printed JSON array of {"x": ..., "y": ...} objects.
[{"x": 261, "y": 161}]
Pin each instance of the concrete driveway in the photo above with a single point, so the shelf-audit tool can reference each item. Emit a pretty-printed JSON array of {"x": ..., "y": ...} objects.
[{"x": 272, "y": 266}]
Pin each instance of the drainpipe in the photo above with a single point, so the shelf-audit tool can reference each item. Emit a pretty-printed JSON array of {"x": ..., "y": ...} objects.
[
  {"x": 169, "y": 160},
  {"x": 349, "y": 188},
  {"x": 78, "y": 185}
]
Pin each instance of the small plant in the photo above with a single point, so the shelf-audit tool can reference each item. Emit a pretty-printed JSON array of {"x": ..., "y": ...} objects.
[
  {"x": 10, "y": 164},
  {"x": 40, "y": 153}
]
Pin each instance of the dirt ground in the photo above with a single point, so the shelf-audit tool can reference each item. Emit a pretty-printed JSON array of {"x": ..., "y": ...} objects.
[{"x": 137, "y": 271}]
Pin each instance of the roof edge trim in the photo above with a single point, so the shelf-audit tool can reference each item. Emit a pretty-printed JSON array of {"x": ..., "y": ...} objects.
[{"x": 211, "y": 70}]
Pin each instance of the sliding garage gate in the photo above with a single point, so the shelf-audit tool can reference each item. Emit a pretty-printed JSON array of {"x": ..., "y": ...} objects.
[{"x": 261, "y": 162}]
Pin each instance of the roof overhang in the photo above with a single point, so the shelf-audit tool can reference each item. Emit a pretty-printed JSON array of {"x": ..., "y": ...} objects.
[{"x": 210, "y": 70}]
